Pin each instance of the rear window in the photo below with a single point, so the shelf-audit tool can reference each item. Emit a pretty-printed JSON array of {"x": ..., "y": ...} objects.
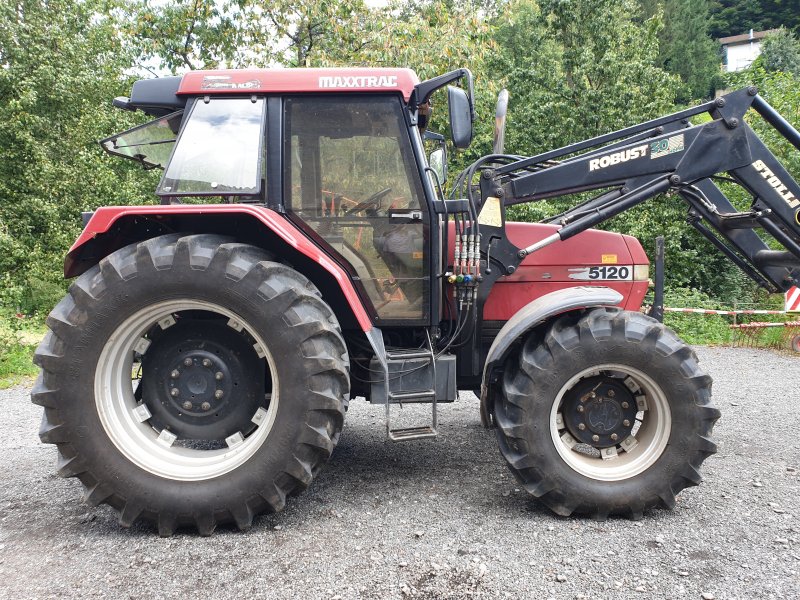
[
  {"x": 150, "y": 144},
  {"x": 219, "y": 151}
]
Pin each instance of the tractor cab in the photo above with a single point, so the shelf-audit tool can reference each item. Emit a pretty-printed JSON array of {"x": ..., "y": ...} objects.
[{"x": 338, "y": 152}]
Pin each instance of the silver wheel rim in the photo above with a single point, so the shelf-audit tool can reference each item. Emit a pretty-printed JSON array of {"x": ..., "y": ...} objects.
[
  {"x": 628, "y": 458},
  {"x": 135, "y": 438}
]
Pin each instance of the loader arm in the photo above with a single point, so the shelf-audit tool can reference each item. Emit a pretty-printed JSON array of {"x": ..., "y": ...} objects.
[{"x": 668, "y": 154}]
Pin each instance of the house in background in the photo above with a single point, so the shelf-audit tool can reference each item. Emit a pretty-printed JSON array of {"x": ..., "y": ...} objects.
[{"x": 741, "y": 50}]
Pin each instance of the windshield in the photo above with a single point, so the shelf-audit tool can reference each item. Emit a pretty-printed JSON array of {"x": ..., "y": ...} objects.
[{"x": 149, "y": 144}]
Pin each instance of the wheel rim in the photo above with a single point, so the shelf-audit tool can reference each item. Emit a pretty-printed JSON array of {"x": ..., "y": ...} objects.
[
  {"x": 129, "y": 426},
  {"x": 604, "y": 458}
]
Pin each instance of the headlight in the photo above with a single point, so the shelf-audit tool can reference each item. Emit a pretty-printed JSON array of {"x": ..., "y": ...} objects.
[{"x": 641, "y": 272}]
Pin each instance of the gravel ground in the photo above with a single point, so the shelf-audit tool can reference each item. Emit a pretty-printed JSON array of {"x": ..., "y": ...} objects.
[{"x": 434, "y": 519}]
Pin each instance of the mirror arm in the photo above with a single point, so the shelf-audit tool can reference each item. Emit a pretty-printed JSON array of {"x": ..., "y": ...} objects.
[{"x": 424, "y": 90}]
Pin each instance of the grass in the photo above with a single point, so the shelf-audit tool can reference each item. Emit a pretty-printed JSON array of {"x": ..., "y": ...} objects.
[
  {"x": 16, "y": 365},
  {"x": 18, "y": 340}
]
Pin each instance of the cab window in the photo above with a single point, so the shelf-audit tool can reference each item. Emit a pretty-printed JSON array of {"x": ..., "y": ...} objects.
[{"x": 219, "y": 151}]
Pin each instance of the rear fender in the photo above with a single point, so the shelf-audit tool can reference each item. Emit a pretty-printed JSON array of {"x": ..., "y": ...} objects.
[
  {"x": 113, "y": 227},
  {"x": 528, "y": 318}
]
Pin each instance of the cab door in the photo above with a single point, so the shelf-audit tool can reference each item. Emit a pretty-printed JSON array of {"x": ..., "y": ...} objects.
[{"x": 352, "y": 178}]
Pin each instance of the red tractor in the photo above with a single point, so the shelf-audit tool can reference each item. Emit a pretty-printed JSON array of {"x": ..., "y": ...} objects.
[{"x": 200, "y": 367}]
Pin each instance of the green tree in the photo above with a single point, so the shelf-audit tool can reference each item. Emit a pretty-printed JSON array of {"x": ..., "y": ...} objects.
[
  {"x": 183, "y": 34},
  {"x": 780, "y": 51},
  {"x": 577, "y": 68},
  {"x": 685, "y": 47},
  {"x": 733, "y": 17},
  {"x": 62, "y": 64},
  {"x": 297, "y": 33}
]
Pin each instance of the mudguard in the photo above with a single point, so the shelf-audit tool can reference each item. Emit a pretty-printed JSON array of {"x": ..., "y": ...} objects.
[
  {"x": 531, "y": 315},
  {"x": 102, "y": 236}
]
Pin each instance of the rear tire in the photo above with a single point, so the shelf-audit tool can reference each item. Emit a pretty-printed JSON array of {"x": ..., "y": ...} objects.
[
  {"x": 270, "y": 431},
  {"x": 614, "y": 383}
]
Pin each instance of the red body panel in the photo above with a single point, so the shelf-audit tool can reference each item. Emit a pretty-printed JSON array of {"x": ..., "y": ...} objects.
[
  {"x": 540, "y": 273},
  {"x": 548, "y": 270},
  {"x": 105, "y": 217},
  {"x": 299, "y": 81}
]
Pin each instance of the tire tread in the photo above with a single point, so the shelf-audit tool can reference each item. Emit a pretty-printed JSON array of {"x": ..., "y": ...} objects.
[{"x": 539, "y": 354}]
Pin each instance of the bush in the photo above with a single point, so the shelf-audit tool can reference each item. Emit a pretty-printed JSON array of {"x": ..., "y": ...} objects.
[{"x": 697, "y": 328}]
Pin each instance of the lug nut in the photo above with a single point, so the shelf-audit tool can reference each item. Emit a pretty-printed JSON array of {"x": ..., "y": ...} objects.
[
  {"x": 581, "y": 426},
  {"x": 595, "y": 438},
  {"x": 206, "y": 362},
  {"x": 611, "y": 393},
  {"x": 580, "y": 408},
  {"x": 625, "y": 405},
  {"x": 174, "y": 392},
  {"x": 175, "y": 374},
  {"x": 218, "y": 376},
  {"x": 188, "y": 362},
  {"x": 219, "y": 394},
  {"x": 187, "y": 405},
  {"x": 614, "y": 437},
  {"x": 205, "y": 406},
  {"x": 626, "y": 423}
]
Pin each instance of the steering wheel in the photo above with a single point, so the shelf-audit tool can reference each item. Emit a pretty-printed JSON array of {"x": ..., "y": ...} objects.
[{"x": 373, "y": 201}]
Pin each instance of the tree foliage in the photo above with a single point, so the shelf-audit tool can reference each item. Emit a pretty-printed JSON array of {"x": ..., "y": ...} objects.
[
  {"x": 62, "y": 64},
  {"x": 733, "y": 17},
  {"x": 780, "y": 51},
  {"x": 575, "y": 69},
  {"x": 179, "y": 35},
  {"x": 685, "y": 47}
]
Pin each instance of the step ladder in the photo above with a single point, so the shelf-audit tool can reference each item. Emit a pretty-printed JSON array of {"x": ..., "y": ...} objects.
[{"x": 422, "y": 395}]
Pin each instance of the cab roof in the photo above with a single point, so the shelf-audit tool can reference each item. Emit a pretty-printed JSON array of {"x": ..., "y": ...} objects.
[
  {"x": 166, "y": 94},
  {"x": 299, "y": 80}
]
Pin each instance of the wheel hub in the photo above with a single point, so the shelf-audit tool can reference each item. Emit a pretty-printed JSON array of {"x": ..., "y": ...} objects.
[
  {"x": 202, "y": 380},
  {"x": 600, "y": 411}
]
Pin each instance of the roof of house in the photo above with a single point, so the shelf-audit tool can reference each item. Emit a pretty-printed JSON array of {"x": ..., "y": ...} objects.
[{"x": 746, "y": 37}]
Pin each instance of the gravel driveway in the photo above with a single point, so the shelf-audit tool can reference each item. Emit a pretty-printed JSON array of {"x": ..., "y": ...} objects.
[{"x": 434, "y": 519}]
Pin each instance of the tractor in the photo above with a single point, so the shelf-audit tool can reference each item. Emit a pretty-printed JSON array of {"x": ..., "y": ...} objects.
[{"x": 304, "y": 253}]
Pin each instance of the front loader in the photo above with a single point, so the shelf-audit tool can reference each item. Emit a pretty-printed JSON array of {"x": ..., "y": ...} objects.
[{"x": 303, "y": 254}]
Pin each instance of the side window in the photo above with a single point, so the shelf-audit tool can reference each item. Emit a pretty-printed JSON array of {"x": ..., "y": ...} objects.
[
  {"x": 219, "y": 151},
  {"x": 354, "y": 180}
]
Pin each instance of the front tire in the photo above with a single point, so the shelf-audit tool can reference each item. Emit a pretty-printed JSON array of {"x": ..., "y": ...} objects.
[
  {"x": 241, "y": 398},
  {"x": 607, "y": 414}
]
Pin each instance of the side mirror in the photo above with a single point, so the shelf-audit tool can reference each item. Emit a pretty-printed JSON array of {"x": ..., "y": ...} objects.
[
  {"x": 460, "y": 117},
  {"x": 438, "y": 163},
  {"x": 500, "y": 122}
]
